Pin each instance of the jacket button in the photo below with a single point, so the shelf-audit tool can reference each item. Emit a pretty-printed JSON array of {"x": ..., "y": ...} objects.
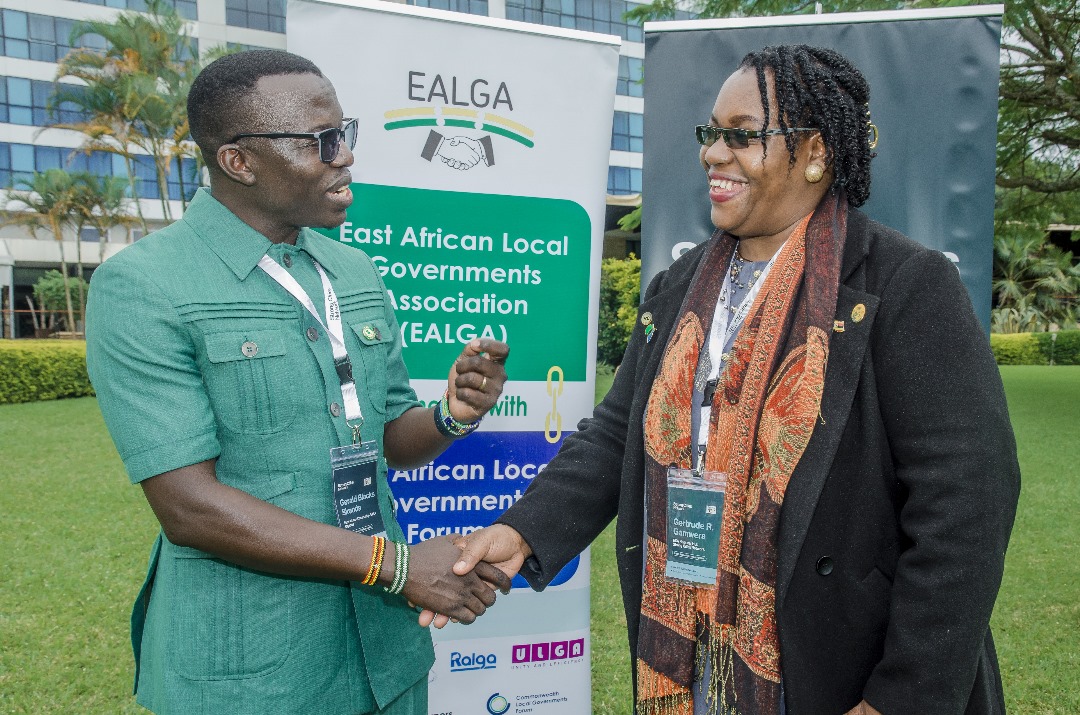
[
  {"x": 824, "y": 565},
  {"x": 287, "y": 260},
  {"x": 312, "y": 334}
]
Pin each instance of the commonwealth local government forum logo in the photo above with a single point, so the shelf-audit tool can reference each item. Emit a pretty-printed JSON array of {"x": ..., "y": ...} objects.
[
  {"x": 497, "y": 704},
  {"x": 465, "y": 119}
]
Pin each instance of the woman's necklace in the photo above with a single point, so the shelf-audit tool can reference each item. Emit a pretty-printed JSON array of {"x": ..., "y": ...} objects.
[
  {"x": 738, "y": 266},
  {"x": 736, "y": 298}
]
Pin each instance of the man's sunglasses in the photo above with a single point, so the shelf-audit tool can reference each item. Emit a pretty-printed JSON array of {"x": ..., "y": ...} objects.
[
  {"x": 707, "y": 135},
  {"x": 330, "y": 140}
]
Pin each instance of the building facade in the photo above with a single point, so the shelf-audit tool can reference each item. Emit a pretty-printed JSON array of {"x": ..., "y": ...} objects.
[{"x": 34, "y": 36}]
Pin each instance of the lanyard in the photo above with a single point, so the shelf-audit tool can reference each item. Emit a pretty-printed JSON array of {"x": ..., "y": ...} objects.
[
  {"x": 725, "y": 324},
  {"x": 333, "y": 329}
]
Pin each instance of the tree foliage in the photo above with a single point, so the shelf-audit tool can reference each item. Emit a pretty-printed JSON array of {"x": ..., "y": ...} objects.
[
  {"x": 46, "y": 201},
  {"x": 620, "y": 289},
  {"x": 1039, "y": 128},
  {"x": 50, "y": 290},
  {"x": 134, "y": 92}
]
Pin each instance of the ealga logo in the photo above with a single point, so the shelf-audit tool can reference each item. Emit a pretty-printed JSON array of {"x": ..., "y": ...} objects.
[
  {"x": 541, "y": 652},
  {"x": 464, "y": 118}
]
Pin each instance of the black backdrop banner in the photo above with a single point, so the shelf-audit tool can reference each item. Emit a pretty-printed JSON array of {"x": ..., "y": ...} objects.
[{"x": 933, "y": 78}]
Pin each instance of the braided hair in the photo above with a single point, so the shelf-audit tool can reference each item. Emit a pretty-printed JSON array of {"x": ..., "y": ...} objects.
[{"x": 820, "y": 89}]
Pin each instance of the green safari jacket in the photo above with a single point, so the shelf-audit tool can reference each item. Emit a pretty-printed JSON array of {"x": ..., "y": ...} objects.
[{"x": 171, "y": 321}]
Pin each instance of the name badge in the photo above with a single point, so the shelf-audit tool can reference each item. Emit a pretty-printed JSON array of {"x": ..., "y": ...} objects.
[
  {"x": 356, "y": 488},
  {"x": 695, "y": 508}
]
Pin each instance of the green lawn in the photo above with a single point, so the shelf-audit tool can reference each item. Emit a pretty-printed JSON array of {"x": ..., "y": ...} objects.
[{"x": 74, "y": 538}]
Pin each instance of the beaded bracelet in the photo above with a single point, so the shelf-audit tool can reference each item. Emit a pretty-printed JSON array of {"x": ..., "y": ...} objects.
[
  {"x": 447, "y": 425},
  {"x": 401, "y": 568},
  {"x": 378, "y": 549}
]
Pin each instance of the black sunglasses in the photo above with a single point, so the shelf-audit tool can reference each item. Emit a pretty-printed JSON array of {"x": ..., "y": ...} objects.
[
  {"x": 329, "y": 139},
  {"x": 707, "y": 135}
]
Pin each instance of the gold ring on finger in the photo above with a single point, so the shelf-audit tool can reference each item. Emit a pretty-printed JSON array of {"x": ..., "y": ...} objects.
[{"x": 483, "y": 383}]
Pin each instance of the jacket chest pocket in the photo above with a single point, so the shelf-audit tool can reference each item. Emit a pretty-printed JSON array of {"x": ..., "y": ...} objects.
[
  {"x": 375, "y": 339},
  {"x": 247, "y": 379}
]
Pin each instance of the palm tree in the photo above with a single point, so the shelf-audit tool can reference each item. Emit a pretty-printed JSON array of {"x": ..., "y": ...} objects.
[
  {"x": 46, "y": 201},
  {"x": 1035, "y": 283},
  {"x": 135, "y": 91},
  {"x": 100, "y": 202},
  {"x": 104, "y": 203}
]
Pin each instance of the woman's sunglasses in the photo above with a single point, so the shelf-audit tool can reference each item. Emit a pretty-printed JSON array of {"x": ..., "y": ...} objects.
[
  {"x": 707, "y": 135},
  {"x": 330, "y": 140}
]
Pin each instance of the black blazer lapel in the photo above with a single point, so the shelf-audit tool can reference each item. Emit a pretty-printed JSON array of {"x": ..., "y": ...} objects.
[{"x": 847, "y": 350}]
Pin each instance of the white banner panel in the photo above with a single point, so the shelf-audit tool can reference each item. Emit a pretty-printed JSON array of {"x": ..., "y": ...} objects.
[{"x": 479, "y": 186}]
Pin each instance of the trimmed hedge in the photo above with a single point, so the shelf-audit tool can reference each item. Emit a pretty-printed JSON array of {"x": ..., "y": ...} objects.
[
  {"x": 32, "y": 370},
  {"x": 1036, "y": 348}
]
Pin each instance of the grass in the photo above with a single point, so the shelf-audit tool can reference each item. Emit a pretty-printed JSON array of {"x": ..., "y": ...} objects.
[{"x": 74, "y": 537}]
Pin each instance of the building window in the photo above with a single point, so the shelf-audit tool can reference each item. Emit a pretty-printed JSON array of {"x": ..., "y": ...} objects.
[
  {"x": 604, "y": 16},
  {"x": 630, "y": 73},
  {"x": 472, "y": 7},
  {"x": 20, "y": 161},
  {"x": 41, "y": 37},
  {"x": 626, "y": 132},
  {"x": 26, "y": 102},
  {"x": 186, "y": 9},
  {"x": 623, "y": 180},
  {"x": 256, "y": 14}
]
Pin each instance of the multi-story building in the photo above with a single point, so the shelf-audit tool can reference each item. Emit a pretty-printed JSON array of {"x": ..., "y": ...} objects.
[{"x": 34, "y": 35}]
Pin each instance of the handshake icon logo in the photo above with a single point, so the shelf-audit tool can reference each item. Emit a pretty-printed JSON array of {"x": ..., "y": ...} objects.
[{"x": 459, "y": 153}]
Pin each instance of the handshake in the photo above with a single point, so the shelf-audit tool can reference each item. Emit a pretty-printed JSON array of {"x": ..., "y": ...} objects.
[
  {"x": 459, "y": 152},
  {"x": 456, "y": 577}
]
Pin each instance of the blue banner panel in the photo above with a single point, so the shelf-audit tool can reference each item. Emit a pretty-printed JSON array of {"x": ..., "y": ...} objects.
[{"x": 470, "y": 485}]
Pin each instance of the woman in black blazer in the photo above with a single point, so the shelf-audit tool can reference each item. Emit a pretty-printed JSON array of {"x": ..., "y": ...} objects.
[{"x": 834, "y": 372}]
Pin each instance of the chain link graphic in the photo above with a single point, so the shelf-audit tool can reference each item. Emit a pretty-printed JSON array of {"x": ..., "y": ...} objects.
[{"x": 555, "y": 389}]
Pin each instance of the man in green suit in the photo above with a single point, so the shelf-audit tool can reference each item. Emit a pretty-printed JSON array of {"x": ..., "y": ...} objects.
[{"x": 249, "y": 370}]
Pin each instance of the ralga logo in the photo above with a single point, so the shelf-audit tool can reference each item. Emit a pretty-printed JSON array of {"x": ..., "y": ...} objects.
[{"x": 471, "y": 661}]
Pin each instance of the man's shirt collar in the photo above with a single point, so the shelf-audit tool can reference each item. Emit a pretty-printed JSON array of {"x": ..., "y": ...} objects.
[{"x": 240, "y": 246}]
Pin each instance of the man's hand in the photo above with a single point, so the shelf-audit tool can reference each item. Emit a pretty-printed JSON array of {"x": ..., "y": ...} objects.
[
  {"x": 863, "y": 708},
  {"x": 434, "y": 586},
  {"x": 477, "y": 378},
  {"x": 497, "y": 548}
]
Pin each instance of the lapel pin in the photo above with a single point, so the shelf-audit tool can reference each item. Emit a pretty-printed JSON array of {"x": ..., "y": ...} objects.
[
  {"x": 369, "y": 332},
  {"x": 650, "y": 329},
  {"x": 858, "y": 312},
  {"x": 838, "y": 326}
]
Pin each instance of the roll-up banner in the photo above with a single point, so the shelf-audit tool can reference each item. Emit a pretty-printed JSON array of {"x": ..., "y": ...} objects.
[
  {"x": 479, "y": 186},
  {"x": 933, "y": 78}
]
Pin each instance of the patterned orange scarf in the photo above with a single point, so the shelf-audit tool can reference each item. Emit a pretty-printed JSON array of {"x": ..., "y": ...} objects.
[{"x": 763, "y": 414}]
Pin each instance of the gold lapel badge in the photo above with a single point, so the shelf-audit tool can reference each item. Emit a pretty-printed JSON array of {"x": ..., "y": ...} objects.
[
  {"x": 858, "y": 312},
  {"x": 369, "y": 332}
]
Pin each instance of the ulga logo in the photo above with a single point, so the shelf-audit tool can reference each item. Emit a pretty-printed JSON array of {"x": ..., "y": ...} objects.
[
  {"x": 473, "y": 108},
  {"x": 471, "y": 661},
  {"x": 541, "y": 652},
  {"x": 497, "y": 704}
]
